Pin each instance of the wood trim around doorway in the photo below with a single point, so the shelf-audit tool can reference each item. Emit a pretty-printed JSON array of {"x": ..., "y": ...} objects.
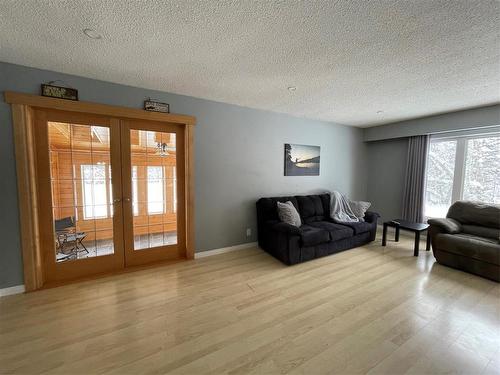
[
  {"x": 189, "y": 189},
  {"x": 25, "y": 152},
  {"x": 22, "y": 118},
  {"x": 95, "y": 108}
]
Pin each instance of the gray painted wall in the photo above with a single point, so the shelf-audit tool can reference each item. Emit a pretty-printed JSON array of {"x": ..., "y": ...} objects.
[
  {"x": 386, "y": 174},
  {"x": 238, "y": 158},
  {"x": 453, "y": 121}
]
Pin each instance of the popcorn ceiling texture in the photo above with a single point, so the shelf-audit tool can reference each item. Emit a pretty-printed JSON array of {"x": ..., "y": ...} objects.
[{"x": 348, "y": 59}]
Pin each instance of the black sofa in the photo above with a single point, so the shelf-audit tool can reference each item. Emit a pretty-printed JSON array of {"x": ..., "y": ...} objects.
[{"x": 318, "y": 236}]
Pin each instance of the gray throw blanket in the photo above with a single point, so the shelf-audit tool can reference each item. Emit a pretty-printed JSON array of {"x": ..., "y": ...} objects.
[{"x": 339, "y": 208}]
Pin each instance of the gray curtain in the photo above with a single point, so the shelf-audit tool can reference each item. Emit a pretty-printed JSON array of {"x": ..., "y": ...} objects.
[{"x": 413, "y": 194}]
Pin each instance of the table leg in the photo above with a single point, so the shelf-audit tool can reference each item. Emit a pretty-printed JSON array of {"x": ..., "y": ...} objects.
[
  {"x": 417, "y": 243},
  {"x": 397, "y": 234},
  {"x": 384, "y": 235},
  {"x": 80, "y": 241},
  {"x": 428, "y": 243}
]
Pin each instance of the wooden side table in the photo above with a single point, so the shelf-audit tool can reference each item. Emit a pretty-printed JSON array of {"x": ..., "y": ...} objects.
[{"x": 411, "y": 226}]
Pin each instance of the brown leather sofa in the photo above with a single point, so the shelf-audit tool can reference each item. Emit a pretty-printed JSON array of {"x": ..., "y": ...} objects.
[{"x": 469, "y": 238}]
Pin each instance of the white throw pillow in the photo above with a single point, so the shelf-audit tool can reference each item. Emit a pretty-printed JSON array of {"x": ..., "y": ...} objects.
[
  {"x": 288, "y": 214},
  {"x": 359, "y": 208}
]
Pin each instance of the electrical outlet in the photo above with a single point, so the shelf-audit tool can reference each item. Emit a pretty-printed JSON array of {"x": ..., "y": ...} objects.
[{"x": 249, "y": 232}]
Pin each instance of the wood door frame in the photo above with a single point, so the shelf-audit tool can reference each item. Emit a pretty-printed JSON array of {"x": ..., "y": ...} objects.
[{"x": 22, "y": 106}]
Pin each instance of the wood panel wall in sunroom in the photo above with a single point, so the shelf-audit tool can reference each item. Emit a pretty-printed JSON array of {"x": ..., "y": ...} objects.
[{"x": 81, "y": 180}]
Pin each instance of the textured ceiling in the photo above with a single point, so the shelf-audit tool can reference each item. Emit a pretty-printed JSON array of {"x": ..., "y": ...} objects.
[{"x": 348, "y": 59}]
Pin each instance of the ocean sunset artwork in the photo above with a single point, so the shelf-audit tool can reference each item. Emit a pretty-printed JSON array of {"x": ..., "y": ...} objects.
[{"x": 301, "y": 160}]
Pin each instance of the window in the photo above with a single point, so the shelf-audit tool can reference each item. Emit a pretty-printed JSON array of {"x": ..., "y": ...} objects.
[
  {"x": 153, "y": 187},
  {"x": 462, "y": 168},
  {"x": 147, "y": 138},
  {"x": 156, "y": 190},
  {"x": 440, "y": 172},
  {"x": 95, "y": 194},
  {"x": 482, "y": 170}
]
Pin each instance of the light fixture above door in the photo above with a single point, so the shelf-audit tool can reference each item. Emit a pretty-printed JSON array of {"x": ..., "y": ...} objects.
[{"x": 162, "y": 149}]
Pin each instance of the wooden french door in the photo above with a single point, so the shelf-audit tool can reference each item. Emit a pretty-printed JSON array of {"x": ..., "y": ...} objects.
[
  {"x": 79, "y": 182},
  {"x": 111, "y": 193},
  {"x": 153, "y": 191}
]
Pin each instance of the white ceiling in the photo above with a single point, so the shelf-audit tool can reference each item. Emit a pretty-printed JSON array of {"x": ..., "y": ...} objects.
[{"x": 348, "y": 59}]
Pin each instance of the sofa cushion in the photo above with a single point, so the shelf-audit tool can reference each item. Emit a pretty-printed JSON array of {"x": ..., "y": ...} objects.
[
  {"x": 312, "y": 236},
  {"x": 477, "y": 230},
  {"x": 336, "y": 231},
  {"x": 360, "y": 227},
  {"x": 312, "y": 207},
  {"x": 480, "y": 248},
  {"x": 359, "y": 208},
  {"x": 288, "y": 213},
  {"x": 267, "y": 208},
  {"x": 279, "y": 226},
  {"x": 475, "y": 213}
]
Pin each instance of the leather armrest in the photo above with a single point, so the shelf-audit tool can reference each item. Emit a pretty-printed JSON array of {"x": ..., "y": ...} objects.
[
  {"x": 285, "y": 228},
  {"x": 371, "y": 217},
  {"x": 447, "y": 225}
]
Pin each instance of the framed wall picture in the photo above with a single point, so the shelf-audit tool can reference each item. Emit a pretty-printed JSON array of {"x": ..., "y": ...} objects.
[{"x": 301, "y": 160}]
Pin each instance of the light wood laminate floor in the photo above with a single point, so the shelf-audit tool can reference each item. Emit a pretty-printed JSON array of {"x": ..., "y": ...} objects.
[{"x": 373, "y": 309}]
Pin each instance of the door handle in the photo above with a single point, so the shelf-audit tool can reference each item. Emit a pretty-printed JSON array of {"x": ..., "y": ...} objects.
[
  {"x": 117, "y": 200},
  {"x": 126, "y": 199}
]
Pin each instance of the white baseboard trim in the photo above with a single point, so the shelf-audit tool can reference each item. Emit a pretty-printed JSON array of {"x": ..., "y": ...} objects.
[
  {"x": 18, "y": 289},
  {"x": 203, "y": 254}
]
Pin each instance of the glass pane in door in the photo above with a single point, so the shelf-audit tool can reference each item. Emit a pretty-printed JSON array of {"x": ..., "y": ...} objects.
[
  {"x": 80, "y": 172},
  {"x": 154, "y": 188}
]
